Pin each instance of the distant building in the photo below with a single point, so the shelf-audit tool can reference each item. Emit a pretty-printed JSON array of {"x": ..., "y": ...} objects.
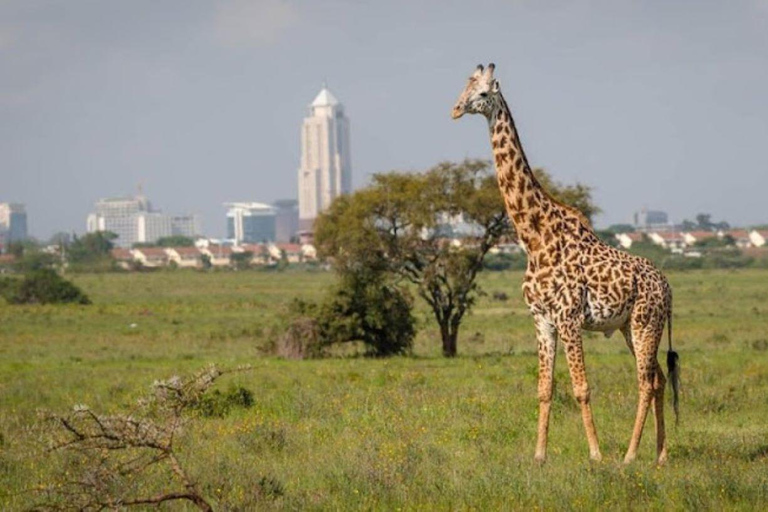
[
  {"x": 758, "y": 237},
  {"x": 13, "y": 222},
  {"x": 326, "y": 170},
  {"x": 671, "y": 240},
  {"x": 251, "y": 222},
  {"x": 652, "y": 220},
  {"x": 134, "y": 220},
  {"x": 286, "y": 220},
  {"x": 626, "y": 240},
  {"x": 186, "y": 225}
]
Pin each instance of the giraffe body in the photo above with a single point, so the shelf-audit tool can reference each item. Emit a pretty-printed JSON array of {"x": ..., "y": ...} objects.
[{"x": 573, "y": 280}]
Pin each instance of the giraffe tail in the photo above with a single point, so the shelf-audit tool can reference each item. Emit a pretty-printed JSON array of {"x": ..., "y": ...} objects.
[{"x": 673, "y": 369}]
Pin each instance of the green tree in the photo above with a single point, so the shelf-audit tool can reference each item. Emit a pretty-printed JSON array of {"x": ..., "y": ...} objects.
[
  {"x": 394, "y": 225},
  {"x": 175, "y": 241},
  {"x": 688, "y": 225},
  {"x": 92, "y": 251},
  {"x": 621, "y": 228},
  {"x": 205, "y": 261},
  {"x": 241, "y": 260},
  {"x": 35, "y": 260},
  {"x": 704, "y": 221}
]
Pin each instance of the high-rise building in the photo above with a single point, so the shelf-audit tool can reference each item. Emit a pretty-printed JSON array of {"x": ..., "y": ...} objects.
[
  {"x": 250, "y": 222},
  {"x": 134, "y": 220},
  {"x": 652, "y": 220},
  {"x": 326, "y": 170},
  {"x": 13, "y": 222},
  {"x": 286, "y": 219},
  {"x": 186, "y": 225}
]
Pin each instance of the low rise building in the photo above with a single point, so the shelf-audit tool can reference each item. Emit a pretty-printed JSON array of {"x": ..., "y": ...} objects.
[
  {"x": 758, "y": 237},
  {"x": 670, "y": 240},
  {"x": 626, "y": 240},
  {"x": 185, "y": 257},
  {"x": 150, "y": 257}
]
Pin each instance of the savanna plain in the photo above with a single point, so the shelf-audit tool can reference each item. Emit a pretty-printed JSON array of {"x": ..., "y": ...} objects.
[{"x": 417, "y": 432}]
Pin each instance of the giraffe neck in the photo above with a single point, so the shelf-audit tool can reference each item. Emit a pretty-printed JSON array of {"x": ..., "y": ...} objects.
[{"x": 526, "y": 201}]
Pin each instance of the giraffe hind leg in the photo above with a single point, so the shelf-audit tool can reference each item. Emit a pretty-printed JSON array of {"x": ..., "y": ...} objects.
[
  {"x": 658, "y": 414},
  {"x": 651, "y": 390}
]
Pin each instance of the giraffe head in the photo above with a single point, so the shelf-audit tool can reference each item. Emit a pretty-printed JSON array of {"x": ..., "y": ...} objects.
[{"x": 480, "y": 96}]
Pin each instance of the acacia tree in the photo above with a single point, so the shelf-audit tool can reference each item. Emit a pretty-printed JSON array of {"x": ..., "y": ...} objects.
[{"x": 399, "y": 225}]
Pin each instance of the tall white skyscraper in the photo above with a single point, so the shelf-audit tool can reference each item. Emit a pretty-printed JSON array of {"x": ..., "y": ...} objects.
[{"x": 326, "y": 170}]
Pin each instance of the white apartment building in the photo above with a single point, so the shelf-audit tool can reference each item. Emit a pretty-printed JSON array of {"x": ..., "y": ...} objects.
[
  {"x": 326, "y": 169},
  {"x": 134, "y": 220}
]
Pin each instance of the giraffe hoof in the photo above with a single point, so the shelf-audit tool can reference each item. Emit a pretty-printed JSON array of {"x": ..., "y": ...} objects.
[
  {"x": 629, "y": 459},
  {"x": 540, "y": 459},
  {"x": 596, "y": 457}
]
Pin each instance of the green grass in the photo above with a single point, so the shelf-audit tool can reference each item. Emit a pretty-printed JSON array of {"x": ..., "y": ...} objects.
[{"x": 409, "y": 433}]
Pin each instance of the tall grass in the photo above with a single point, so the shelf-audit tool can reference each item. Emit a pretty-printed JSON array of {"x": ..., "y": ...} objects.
[{"x": 410, "y": 433}]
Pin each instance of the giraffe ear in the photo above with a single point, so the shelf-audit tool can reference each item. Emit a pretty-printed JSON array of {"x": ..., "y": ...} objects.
[{"x": 495, "y": 87}]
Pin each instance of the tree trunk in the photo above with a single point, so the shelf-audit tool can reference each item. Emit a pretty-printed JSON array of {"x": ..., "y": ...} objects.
[{"x": 449, "y": 337}]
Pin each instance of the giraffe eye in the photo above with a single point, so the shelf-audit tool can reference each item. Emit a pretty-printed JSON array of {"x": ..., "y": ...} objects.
[{"x": 483, "y": 94}]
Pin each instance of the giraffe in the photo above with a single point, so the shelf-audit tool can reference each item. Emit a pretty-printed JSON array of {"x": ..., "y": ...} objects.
[{"x": 574, "y": 282}]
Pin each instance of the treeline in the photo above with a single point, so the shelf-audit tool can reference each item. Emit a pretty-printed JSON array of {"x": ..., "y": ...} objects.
[{"x": 711, "y": 256}]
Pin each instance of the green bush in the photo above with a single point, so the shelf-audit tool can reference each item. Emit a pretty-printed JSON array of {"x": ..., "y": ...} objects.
[
  {"x": 218, "y": 405},
  {"x": 42, "y": 286},
  {"x": 360, "y": 308}
]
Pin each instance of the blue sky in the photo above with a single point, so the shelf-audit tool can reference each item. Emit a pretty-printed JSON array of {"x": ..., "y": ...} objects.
[{"x": 661, "y": 104}]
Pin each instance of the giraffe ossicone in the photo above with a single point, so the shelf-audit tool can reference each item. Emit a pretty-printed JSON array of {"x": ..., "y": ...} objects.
[{"x": 574, "y": 281}]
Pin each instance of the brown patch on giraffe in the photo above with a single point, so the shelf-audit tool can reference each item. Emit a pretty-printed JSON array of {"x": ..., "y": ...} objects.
[{"x": 535, "y": 222}]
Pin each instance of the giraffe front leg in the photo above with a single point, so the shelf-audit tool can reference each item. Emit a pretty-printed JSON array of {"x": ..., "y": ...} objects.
[
  {"x": 546, "y": 337},
  {"x": 574, "y": 353}
]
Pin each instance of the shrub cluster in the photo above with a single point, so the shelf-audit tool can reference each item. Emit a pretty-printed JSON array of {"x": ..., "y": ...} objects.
[
  {"x": 365, "y": 309},
  {"x": 41, "y": 286},
  {"x": 218, "y": 405}
]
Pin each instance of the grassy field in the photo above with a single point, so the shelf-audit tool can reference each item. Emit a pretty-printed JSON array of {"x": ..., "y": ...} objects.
[{"x": 420, "y": 432}]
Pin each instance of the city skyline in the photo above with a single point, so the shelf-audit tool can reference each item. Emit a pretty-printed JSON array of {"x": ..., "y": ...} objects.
[{"x": 656, "y": 104}]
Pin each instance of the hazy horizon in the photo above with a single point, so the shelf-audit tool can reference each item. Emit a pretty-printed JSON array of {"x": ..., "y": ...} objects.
[{"x": 653, "y": 104}]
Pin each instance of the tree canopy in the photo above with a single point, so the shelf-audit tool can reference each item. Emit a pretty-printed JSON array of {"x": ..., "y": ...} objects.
[{"x": 92, "y": 251}]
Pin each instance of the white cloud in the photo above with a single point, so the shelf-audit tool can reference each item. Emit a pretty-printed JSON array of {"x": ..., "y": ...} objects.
[{"x": 254, "y": 22}]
